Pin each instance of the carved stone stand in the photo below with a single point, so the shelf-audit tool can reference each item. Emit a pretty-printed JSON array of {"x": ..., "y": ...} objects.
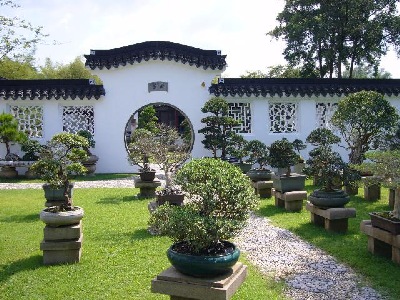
[
  {"x": 291, "y": 201},
  {"x": 372, "y": 192},
  {"x": 332, "y": 219},
  {"x": 263, "y": 188},
  {"x": 182, "y": 287},
  {"x": 147, "y": 188},
  {"x": 381, "y": 242},
  {"x": 62, "y": 244}
]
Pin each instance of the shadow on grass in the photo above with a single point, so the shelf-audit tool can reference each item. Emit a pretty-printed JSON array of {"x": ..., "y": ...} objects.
[
  {"x": 141, "y": 234},
  {"x": 21, "y": 218},
  {"x": 26, "y": 264},
  {"x": 117, "y": 200}
]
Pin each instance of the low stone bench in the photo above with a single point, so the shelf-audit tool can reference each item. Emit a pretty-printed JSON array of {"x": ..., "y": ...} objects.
[
  {"x": 291, "y": 201},
  {"x": 147, "y": 188},
  {"x": 182, "y": 287},
  {"x": 381, "y": 242},
  {"x": 332, "y": 219},
  {"x": 263, "y": 188},
  {"x": 62, "y": 244}
]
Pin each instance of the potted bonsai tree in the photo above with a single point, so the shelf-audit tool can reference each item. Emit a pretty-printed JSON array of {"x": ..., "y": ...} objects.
[
  {"x": 238, "y": 149},
  {"x": 328, "y": 166},
  {"x": 221, "y": 201},
  {"x": 169, "y": 151},
  {"x": 59, "y": 159},
  {"x": 90, "y": 163},
  {"x": 140, "y": 152},
  {"x": 298, "y": 145},
  {"x": 282, "y": 156},
  {"x": 258, "y": 154},
  {"x": 385, "y": 166},
  {"x": 32, "y": 150},
  {"x": 9, "y": 133}
]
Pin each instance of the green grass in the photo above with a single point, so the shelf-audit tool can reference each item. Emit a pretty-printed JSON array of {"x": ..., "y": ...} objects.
[
  {"x": 119, "y": 259},
  {"x": 349, "y": 248},
  {"x": 95, "y": 177}
]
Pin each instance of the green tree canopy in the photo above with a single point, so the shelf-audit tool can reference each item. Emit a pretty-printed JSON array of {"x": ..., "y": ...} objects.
[
  {"x": 148, "y": 119},
  {"x": 327, "y": 36}
]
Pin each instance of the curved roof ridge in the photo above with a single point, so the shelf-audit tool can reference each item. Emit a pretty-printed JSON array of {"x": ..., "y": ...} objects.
[{"x": 153, "y": 50}]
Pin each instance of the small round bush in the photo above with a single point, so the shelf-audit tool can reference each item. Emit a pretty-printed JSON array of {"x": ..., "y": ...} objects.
[{"x": 221, "y": 201}]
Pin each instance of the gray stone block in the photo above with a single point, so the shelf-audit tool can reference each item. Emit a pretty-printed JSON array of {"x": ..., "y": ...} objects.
[{"x": 68, "y": 232}]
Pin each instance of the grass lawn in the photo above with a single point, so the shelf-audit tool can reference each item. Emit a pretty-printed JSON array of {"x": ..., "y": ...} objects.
[
  {"x": 119, "y": 259},
  {"x": 350, "y": 248}
]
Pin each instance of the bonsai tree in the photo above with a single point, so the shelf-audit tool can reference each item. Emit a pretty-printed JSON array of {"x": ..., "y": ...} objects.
[
  {"x": 282, "y": 155},
  {"x": 91, "y": 142},
  {"x": 139, "y": 149},
  {"x": 148, "y": 119},
  {"x": 385, "y": 166},
  {"x": 238, "y": 148},
  {"x": 32, "y": 149},
  {"x": 59, "y": 159},
  {"x": 169, "y": 151},
  {"x": 360, "y": 117},
  {"x": 258, "y": 153},
  {"x": 221, "y": 201},
  {"x": 9, "y": 133},
  {"x": 217, "y": 131},
  {"x": 298, "y": 145}
]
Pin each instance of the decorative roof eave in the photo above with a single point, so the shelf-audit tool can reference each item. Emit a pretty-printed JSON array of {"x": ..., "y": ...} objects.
[
  {"x": 50, "y": 89},
  {"x": 155, "y": 50},
  {"x": 301, "y": 87}
]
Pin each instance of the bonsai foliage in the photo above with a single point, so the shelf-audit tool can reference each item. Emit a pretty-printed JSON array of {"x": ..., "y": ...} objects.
[
  {"x": 61, "y": 158},
  {"x": 92, "y": 143},
  {"x": 238, "y": 148},
  {"x": 221, "y": 201},
  {"x": 360, "y": 117},
  {"x": 258, "y": 153},
  {"x": 385, "y": 166},
  {"x": 217, "y": 131},
  {"x": 169, "y": 151},
  {"x": 282, "y": 155},
  {"x": 32, "y": 149},
  {"x": 148, "y": 119},
  {"x": 139, "y": 149},
  {"x": 9, "y": 132},
  {"x": 322, "y": 137}
]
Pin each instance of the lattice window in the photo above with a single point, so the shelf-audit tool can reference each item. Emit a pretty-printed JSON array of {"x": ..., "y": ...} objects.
[
  {"x": 283, "y": 117},
  {"x": 241, "y": 112},
  {"x": 325, "y": 111},
  {"x": 77, "y": 118},
  {"x": 30, "y": 119}
]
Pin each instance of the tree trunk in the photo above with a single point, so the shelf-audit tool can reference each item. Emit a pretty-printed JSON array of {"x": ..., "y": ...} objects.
[{"x": 396, "y": 210}]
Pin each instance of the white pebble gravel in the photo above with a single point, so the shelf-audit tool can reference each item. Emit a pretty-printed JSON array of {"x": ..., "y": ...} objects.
[{"x": 309, "y": 273}]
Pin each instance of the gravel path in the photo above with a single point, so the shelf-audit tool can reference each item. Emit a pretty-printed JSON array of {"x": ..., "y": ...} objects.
[{"x": 308, "y": 272}]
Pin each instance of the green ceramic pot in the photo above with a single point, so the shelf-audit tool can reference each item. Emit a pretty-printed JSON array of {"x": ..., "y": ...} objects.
[{"x": 337, "y": 198}]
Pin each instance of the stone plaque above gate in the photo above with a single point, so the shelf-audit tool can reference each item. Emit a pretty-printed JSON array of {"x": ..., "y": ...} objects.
[{"x": 158, "y": 86}]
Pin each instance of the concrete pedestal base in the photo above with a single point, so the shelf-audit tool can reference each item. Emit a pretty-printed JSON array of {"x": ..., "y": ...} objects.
[
  {"x": 372, "y": 192},
  {"x": 291, "y": 201},
  {"x": 263, "y": 188},
  {"x": 147, "y": 188},
  {"x": 62, "y": 244},
  {"x": 332, "y": 219},
  {"x": 381, "y": 242},
  {"x": 182, "y": 287}
]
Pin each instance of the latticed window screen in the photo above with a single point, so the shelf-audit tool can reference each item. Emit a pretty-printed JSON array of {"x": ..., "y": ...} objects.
[
  {"x": 242, "y": 113},
  {"x": 283, "y": 117},
  {"x": 30, "y": 119},
  {"x": 77, "y": 118},
  {"x": 325, "y": 111}
]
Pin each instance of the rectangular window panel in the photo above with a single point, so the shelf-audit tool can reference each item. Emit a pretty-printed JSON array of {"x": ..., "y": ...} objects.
[
  {"x": 283, "y": 117},
  {"x": 77, "y": 118},
  {"x": 30, "y": 119},
  {"x": 242, "y": 113},
  {"x": 325, "y": 111}
]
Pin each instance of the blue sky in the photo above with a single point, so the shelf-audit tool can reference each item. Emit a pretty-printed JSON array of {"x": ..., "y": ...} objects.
[{"x": 236, "y": 27}]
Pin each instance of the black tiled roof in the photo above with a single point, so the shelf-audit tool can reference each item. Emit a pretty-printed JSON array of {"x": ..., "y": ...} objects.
[
  {"x": 49, "y": 89},
  {"x": 155, "y": 50},
  {"x": 302, "y": 87}
]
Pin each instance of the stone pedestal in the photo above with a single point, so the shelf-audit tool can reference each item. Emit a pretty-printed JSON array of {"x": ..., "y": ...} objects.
[
  {"x": 263, "y": 188},
  {"x": 381, "y": 242},
  {"x": 392, "y": 193},
  {"x": 147, "y": 188},
  {"x": 291, "y": 201},
  {"x": 372, "y": 192},
  {"x": 182, "y": 287},
  {"x": 332, "y": 219},
  {"x": 62, "y": 244}
]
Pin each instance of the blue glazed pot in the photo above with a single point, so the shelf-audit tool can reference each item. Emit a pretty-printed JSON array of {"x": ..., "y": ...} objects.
[{"x": 203, "y": 266}]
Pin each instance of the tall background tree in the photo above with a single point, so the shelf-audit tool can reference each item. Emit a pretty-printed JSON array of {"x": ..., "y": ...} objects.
[{"x": 328, "y": 37}]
